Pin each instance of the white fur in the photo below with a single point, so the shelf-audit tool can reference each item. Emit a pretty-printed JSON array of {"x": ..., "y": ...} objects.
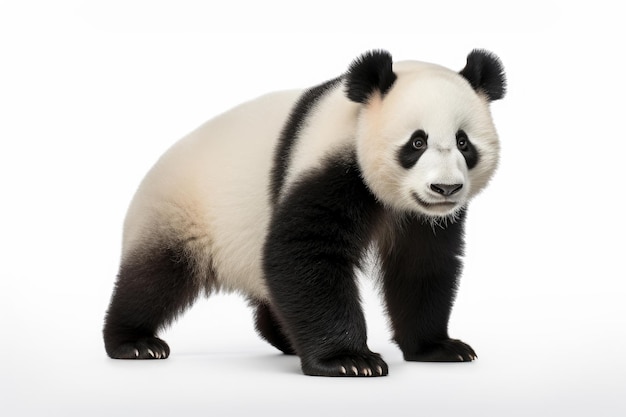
[{"x": 211, "y": 189}]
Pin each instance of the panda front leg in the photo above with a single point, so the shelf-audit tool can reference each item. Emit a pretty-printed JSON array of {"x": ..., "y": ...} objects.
[
  {"x": 421, "y": 264},
  {"x": 318, "y": 235}
]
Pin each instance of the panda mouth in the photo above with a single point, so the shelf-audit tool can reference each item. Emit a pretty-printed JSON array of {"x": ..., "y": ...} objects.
[{"x": 441, "y": 205}]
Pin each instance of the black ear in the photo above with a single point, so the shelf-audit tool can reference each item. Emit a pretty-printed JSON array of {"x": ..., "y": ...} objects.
[
  {"x": 485, "y": 73},
  {"x": 369, "y": 73}
]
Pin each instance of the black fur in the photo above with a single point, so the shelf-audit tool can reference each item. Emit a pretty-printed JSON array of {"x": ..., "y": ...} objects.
[
  {"x": 152, "y": 288},
  {"x": 318, "y": 236},
  {"x": 485, "y": 73},
  {"x": 372, "y": 71},
  {"x": 420, "y": 268},
  {"x": 408, "y": 155},
  {"x": 291, "y": 131},
  {"x": 470, "y": 153},
  {"x": 269, "y": 328}
]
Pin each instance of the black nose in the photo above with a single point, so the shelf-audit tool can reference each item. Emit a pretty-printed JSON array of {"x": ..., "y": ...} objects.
[{"x": 446, "y": 189}]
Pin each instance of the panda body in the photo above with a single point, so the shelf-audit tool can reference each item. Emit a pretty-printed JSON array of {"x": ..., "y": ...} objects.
[{"x": 280, "y": 198}]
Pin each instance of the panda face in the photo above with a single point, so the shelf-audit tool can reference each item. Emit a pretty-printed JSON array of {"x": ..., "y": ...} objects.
[
  {"x": 438, "y": 182},
  {"x": 428, "y": 145}
]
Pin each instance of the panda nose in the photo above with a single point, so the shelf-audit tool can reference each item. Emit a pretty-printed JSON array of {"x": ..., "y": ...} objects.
[{"x": 446, "y": 189}]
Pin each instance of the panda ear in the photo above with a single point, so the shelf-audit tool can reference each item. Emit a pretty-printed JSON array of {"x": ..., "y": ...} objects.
[
  {"x": 369, "y": 73},
  {"x": 485, "y": 73}
]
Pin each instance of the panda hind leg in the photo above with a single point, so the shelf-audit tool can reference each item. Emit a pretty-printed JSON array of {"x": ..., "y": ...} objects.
[
  {"x": 153, "y": 287},
  {"x": 267, "y": 325}
]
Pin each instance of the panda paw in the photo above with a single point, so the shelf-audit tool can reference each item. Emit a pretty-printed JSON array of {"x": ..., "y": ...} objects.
[
  {"x": 359, "y": 364},
  {"x": 449, "y": 350},
  {"x": 146, "y": 348}
]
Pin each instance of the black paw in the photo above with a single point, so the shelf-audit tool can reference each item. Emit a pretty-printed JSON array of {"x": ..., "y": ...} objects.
[
  {"x": 145, "y": 348},
  {"x": 450, "y": 350},
  {"x": 358, "y": 364}
]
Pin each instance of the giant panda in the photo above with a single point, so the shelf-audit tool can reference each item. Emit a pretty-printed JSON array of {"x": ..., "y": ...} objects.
[{"x": 282, "y": 198}]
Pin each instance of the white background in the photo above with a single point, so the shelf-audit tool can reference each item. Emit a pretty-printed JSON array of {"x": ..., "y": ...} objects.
[{"x": 91, "y": 93}]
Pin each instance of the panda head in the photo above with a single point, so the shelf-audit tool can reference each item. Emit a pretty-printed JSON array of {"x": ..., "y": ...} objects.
[{"x": 425, "y": 138}]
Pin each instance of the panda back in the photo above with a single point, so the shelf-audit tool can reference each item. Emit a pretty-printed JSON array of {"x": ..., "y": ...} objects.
[{"x": 210, "y": 192}]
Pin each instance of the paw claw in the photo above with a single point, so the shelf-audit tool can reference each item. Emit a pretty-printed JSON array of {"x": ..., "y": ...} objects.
[
  {"x": 144, "y": 348},
  {"x": 365, "y": 363}
]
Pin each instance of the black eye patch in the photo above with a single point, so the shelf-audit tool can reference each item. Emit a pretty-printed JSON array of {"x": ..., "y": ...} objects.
[
  {"x": 410, "y": 153},
  {"x": 467, "y": 149}
]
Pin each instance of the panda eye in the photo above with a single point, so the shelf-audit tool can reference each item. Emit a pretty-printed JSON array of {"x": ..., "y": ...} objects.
[
  {"x": 418, "y": 140},
  {"x": 419, "y": 144},
  {"x": 461, "y": 141}
]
